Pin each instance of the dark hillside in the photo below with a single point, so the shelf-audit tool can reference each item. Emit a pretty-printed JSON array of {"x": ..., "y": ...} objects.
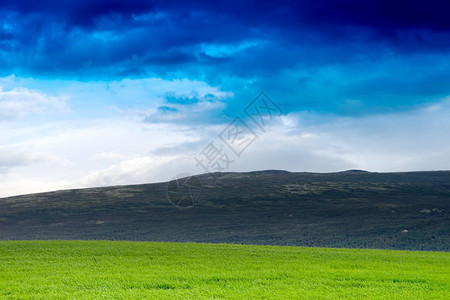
[{"x": 347, "y": 209}]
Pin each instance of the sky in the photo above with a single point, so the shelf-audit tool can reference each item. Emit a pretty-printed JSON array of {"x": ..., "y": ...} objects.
[{"x": 99, "y": 93}]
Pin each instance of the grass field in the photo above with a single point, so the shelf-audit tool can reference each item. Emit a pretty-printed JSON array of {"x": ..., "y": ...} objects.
[{"x": 136, "y": 270}]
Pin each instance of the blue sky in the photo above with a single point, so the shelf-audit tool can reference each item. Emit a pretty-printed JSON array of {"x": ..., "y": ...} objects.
[{"x": 97, "y": 93}]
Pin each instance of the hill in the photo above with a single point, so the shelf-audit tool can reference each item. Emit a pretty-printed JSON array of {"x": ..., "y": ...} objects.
[{"x": 352, "y": 209}]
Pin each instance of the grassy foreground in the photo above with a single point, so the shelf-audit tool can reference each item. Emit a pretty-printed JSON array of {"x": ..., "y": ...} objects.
[{"x": 136, "y": 270}]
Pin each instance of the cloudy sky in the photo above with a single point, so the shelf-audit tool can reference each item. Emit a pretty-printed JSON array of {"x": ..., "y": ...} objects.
[{"x": 96, "y": 93}]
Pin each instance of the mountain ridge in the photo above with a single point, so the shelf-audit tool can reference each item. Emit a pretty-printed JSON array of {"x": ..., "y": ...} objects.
[{"x": 404, "y": 210}]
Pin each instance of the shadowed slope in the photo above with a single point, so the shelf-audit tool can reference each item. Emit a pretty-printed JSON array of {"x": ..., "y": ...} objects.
[{"x": 346, "y": 209}]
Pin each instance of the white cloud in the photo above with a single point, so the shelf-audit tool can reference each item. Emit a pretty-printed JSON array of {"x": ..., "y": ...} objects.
[
  {"x": 92, "y": 145},
  {"x": 132, "y": 170},
  {"x": 108, "y": 156},
  {"x": 98, "y": 152},
  {"x": 118, "y": 148},
  {"x": 22, "y": 102},
  {"x": 12, "y": 157}
]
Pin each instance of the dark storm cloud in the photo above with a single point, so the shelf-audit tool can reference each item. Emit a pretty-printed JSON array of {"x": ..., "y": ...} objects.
[
  {"x": 69, "y": 33},
  {"x": 431, "y": 14},
  {"x": 314, "y": 49},
  {"x": 82, "y": 13},
  {"x": 80, "y": 35},
  {"x": 385, "y": 14}
]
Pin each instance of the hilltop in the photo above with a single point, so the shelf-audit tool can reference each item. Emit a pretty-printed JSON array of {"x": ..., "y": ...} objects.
[{"x": 354, "y": 209}]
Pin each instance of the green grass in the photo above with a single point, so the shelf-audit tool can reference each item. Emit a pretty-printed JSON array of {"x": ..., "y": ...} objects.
[{"x": 137, "y": 270}]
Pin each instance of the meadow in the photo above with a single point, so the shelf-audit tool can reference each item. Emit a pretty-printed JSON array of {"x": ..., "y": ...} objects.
[{"x": 148, "y": 270}]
